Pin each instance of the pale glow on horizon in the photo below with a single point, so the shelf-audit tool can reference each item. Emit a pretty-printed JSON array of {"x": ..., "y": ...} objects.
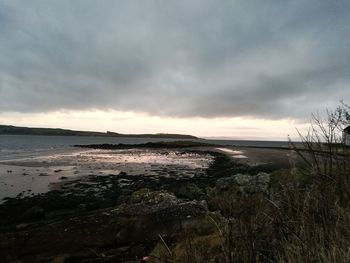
[{"x": 131, "y": 122}]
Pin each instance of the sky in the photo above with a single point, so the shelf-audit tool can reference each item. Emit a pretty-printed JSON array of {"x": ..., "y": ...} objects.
[{"x": 242, "y": 69}]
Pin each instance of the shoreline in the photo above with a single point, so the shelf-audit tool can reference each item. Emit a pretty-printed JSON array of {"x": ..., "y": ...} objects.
[
  {"x": 78, "y": 161},
  {"x": 130, "y": 206},
  {"x": 39, "y": 173}
]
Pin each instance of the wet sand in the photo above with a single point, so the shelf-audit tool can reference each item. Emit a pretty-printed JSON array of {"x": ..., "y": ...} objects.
[
  {"x": 254, "y": 156},
  {"x": 29, "y": 176}
]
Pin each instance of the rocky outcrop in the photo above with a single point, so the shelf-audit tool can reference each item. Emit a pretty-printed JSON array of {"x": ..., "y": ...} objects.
[
  {"x": 190, "y": 191},
  {"x": 245, "y": 183},
  {"x": 34, "y": 213},
  {"x": 126, "y": 231}
]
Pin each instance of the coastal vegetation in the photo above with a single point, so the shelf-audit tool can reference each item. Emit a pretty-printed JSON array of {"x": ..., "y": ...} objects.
[{"x": 299, "y": 214}]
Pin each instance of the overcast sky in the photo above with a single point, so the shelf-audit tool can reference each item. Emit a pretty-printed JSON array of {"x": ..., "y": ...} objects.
[{"x": 176, "y": 60}]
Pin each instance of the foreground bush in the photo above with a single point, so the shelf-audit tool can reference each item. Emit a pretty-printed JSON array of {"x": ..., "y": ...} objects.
[{"x": 303, "y": 217}]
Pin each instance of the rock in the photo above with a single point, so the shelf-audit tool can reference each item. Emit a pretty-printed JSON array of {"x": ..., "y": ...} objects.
[
  {"x": 124, "y": 182},
  {"x": 245, "y": 183},
  {"x": 144, "y": 221},
  {"x": 34, "y": 213},
  {"x": 144, "y": 195},
  {"x": 225, "y": 183},
  {"x": 93, "y": 206},
  {"x": 21, "y": 226},
  {"x": 204, "y": 204},
  {"x": 190, "y": 191},
  {"x": 59, "y": 259},
  {"x": 82, "y": 207},
  {"x": 126, "y": 226},
  {"x": 242, "y": 179}
]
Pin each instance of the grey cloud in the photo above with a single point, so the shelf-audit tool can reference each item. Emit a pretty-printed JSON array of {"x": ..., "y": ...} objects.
[{"x": 266, "y": 59}]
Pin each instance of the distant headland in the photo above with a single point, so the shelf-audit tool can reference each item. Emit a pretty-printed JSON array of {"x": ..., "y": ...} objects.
[{"x": 14, "y": 130}]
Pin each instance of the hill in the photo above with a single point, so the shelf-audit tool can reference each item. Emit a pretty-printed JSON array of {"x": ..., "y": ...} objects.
[{"x": 14, "y": 130}]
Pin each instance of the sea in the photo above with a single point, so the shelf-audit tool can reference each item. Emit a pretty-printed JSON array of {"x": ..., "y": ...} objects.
[{"x": 27, "y": 146}]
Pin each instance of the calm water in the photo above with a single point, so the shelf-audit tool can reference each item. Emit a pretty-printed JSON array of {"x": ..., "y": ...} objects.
[{"x": 24, "y": 146}]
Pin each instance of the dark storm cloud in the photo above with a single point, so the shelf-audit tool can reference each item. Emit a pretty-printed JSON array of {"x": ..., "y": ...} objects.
[{"x": 269, "y": 59}]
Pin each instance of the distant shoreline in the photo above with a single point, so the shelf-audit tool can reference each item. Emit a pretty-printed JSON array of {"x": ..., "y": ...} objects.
[{"x": 15, "y": 130}]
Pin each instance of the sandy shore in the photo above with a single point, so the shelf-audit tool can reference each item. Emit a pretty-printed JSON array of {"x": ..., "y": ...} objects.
[
  {"x": 25, "y": 177},
  {"x": 259, "y": 156},
  {"x": 30, "y": 176}
]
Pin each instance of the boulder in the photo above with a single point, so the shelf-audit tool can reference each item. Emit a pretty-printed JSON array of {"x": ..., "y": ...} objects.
[
  {"x": 34, "y": 213},
  {"x": 146, "y": 196},
  {"x": 245, "y": 183},
  {"x": 190, "y": 191}
]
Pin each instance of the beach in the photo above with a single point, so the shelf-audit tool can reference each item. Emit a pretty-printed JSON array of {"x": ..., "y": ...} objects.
[{"x": 125, "y": 197}]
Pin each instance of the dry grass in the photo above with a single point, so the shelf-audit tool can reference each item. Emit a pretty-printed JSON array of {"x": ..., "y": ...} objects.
[
  {"x": 305, "y": 218},
  {"x": 298, "y": 223}
]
